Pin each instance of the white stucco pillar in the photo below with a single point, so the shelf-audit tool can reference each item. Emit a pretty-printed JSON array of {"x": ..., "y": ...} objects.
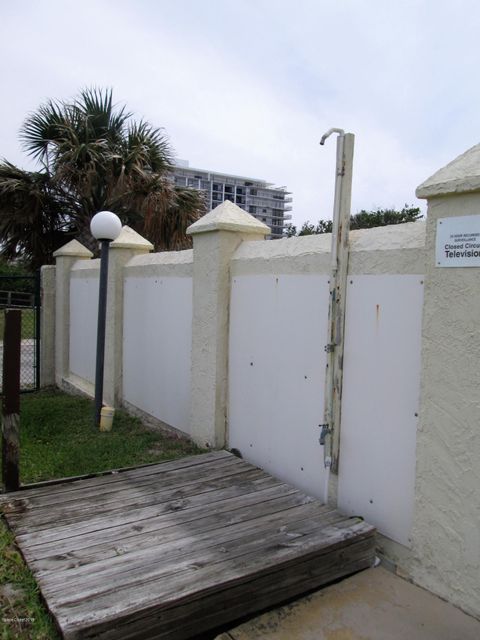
[
  {"x": 216, "y": 236},
  {"x": 47, "y": 326},
  {"x": 65, "y": 257},
  {"x": 446, "y": 540},
  {"x": 128, "y": 244}
]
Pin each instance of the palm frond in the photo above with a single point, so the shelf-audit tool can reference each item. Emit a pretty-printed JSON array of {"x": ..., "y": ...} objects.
[
  {"x": 166, "y": 227},
  {"x": 35, "y": 218},
  {"x": 43, "y": 128},
  {"x": 102, "y": 119},
  {"x": 147, "y": 147}
]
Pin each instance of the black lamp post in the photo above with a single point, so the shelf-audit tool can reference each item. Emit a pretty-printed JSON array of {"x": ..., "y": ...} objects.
[{"x": 105, "y": 227}]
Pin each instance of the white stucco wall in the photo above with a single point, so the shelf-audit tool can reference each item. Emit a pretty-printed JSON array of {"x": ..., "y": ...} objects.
[
  {"x": 447, "y": 509},
  {"x": 158, "y": 335},
  {"x": 83, "y": 319}
]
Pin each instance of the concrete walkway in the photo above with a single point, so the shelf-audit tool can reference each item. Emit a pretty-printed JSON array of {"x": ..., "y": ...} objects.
[{"x": 371, "y": 605}]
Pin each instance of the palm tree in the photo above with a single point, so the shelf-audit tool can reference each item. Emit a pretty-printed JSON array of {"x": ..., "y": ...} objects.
[{"x": 92, "y": 157}]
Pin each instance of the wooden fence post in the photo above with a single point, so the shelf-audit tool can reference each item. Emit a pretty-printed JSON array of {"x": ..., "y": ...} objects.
[{"x": 11, "y": 400}]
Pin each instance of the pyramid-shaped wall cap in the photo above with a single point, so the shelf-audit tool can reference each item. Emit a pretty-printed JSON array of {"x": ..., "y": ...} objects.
[
  {"x": 73, "y": 249},
  {"x": 130, "y": 239},
  {"x": 462, "y": 175},
  {"x": 228, "y": 217}
]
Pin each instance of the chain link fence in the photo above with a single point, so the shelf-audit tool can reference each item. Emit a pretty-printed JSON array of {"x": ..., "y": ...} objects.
[{"x": 23, "y": 292}]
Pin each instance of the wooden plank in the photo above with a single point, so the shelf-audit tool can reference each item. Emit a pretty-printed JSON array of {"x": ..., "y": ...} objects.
[
  {"x": 211, "y": 499},
  {"x": 182, "y": 497},
  {"x": 163, "y": 515},
  {"x": 231, "y": 603},
  {"x": 119, "y": 475},
  {"x": 206, "y": 529},
  {"x": 161, "y": 528},
  {"x": 50, "y": 487},
  {"x": 40, "y": 518},
  {"x": 201, "y": 580},
  {"x": 189, "y": 542},
  {"x": 191, "y": 585},
  {"x": 92, "y": 495},
  {"x": 153, "y": 564}
]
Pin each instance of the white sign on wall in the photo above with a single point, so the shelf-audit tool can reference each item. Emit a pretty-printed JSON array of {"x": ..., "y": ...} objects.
[{"x": 458, "y": 242}]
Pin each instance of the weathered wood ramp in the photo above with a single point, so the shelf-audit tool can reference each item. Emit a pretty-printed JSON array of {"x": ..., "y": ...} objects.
[{"x": 173, "y": 549}]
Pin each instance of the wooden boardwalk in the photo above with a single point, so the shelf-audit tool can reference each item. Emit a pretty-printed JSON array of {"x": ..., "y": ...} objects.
[{"x": 167, "y": 551}]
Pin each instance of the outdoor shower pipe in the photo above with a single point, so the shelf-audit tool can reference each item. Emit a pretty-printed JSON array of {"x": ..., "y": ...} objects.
[
  {"x": 341, "y": 132},
  {"x": 339, "y": 173},
  {"x": 330, "y": 434},
  {"x": 328, "y": 418}
]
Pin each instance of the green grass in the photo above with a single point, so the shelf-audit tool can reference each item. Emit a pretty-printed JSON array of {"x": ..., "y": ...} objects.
[
  {"x": 22, "y": 614},
  {"x": 28, "y": 323},
  {"x": 57, "y": 440}
]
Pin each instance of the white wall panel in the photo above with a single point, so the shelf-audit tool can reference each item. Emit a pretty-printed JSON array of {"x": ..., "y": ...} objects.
[
  {"x": 157, "y": 341},
  {"x": 381, "y": 390},
  {"x": 278, "y": 329},
  {"x": 83, "y": 326}
]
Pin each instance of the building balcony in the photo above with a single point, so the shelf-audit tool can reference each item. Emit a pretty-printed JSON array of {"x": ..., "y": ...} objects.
[{"x": 267, "y": 196}]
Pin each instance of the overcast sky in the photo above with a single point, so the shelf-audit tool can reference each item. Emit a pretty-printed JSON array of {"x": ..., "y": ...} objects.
[{"x": 249, "y": 86}]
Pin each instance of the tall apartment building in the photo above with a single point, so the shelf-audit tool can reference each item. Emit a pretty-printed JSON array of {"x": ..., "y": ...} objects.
[{"x": 264, "y": 201}]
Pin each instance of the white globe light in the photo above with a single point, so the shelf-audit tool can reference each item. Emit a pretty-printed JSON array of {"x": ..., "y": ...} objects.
[{"x": 105, "y": 225}]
